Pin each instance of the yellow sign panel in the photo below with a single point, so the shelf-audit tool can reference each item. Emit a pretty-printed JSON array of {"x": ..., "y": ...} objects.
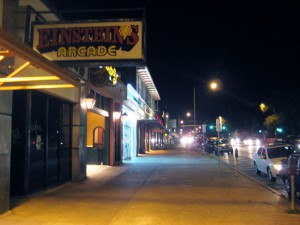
[
  {"x": 113, "y": 74},
  {"x": 90, "y": 41}
]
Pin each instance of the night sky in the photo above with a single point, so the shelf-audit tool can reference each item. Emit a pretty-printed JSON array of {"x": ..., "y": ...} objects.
[{"x": 253, "y": 47}]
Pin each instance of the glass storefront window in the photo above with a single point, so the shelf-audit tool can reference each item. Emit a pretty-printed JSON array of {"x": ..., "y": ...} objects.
[{"x": 41, "y": 142}]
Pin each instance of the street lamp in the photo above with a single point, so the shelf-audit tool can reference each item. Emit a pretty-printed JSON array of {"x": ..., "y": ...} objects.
[
  {"x": 213, "y": 85},
  {"x": 263, "y": 107},
  {"x": 194, "y": 108}
]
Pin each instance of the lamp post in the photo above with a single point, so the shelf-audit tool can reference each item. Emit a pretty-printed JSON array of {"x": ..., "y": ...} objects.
[
  {"x": 194, "y": 108},
  {"x": 214, "y": 85}
]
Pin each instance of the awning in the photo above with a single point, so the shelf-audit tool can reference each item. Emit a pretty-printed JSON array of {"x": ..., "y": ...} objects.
[
  {"x": 153, "y": 124},
  {"x": 147, "y": 79},
  {"x": 22, "y": 68}
]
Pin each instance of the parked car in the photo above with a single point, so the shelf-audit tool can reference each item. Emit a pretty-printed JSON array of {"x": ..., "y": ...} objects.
[
  {"x": 292, "y": 140},
  {"x": 267, "y": 159},
  {"x": 224, "y": 145},
  {"x": 209, "y": 145},
  {"x": 285, "y": 172}
]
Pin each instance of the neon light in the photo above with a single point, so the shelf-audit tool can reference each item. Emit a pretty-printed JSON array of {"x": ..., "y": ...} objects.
[
  {"x": 113, "y": 74},
  {"x": 17, "y": 70},
  {"x": 133, "y": 95},
  {"x": 48, "y": 86},
  {"x": 4, "y": 51},
  {"x": 20, "y": 79}
]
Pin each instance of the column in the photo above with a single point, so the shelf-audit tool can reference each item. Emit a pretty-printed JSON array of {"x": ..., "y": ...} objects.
[
  {"x": 79, "y": 151},
  {"x": 5, "y": 148}
]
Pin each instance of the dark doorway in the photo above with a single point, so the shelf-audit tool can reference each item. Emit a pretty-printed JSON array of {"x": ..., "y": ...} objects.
[{"x": 41, "y": 142}]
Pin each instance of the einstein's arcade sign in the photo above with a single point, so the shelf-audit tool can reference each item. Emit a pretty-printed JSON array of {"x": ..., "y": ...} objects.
[{"x": 90, "y": 41}]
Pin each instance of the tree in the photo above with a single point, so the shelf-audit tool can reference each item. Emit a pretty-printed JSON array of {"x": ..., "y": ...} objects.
[{"x": 271, "y": 122}]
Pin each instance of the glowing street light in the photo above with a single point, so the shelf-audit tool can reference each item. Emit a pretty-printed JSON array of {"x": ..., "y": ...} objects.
[
  {"x": 263, "y": 107},
  {"x": 213, "y": 85}
]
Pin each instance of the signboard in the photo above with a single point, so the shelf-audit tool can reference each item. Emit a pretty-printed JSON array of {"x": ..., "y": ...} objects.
[
  {"x": 218, "y": 125},
  {"x": 99, "y": 78},
  {"x": 133, "y": 95},
  {"x": 104, "y": 76},
  {"x": 203, "y": 128},
  {"x": 90, "y": 41}
]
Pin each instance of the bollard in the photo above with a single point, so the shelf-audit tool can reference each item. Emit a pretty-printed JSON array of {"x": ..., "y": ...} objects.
[
  {"x": 236, "y": 155},
  {"x": 293, "y": 171},
  {"x": 293, "y": 193}
]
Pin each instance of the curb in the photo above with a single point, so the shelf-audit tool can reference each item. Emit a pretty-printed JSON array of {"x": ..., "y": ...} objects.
[{"x": 247, "y": 176}]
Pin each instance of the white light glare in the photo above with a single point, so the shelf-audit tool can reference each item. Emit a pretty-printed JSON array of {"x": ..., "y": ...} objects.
[
  {"x": 235, "y": 141},
  {"x": 257, "y": 142},
  {"x": 232, "y": 141},
  {"x": 187, "y": 140},
  {"x": 277, "y": 167}
]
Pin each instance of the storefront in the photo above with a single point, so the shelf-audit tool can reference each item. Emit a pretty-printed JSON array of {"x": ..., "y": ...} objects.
[
  {"x": 142, "y": 129},
  {"x": 49, "y": 130},
  {"x": 41, "y": 152},
  {"x": 150, "y": 133},
  {"x": 104, "y": 125},
  {"x": 104, "y": 130},
  {"x": 38, "y": 107},
  {"x": 129, "y": 134},
  {"x": 96, "y": 143},
  {"x": 132, "y": 112}
]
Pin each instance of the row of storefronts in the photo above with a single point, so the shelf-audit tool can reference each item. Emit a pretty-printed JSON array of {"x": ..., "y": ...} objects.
[{"x": 58, "y": 116}]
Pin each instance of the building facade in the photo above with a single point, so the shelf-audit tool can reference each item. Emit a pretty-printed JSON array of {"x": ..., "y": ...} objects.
[
  {"x": 143, "y": 129},
  {"x": 50, "y": 132}
]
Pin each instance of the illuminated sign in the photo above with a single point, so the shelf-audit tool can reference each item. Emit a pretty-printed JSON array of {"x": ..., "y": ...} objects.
[
  {"x": 133, "y": 95},
  {"x": 113, "y": 74},
  {"x": 89, "y": 41},
  {"x": 104, "y": 76}
]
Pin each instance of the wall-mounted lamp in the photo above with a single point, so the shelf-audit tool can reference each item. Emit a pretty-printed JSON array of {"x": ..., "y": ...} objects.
[
  {"x": 116, "y": 115},
  {"x": 90, "y": 101}
]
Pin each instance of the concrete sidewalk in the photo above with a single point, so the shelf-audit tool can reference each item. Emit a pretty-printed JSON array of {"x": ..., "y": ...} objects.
[{"x": 164, "y": 187}]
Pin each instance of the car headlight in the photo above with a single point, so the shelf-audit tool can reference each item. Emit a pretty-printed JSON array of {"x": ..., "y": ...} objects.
[
  {"x": 250, "y": 142},
  {"x": 257, "y": 142},
  {"x": 232, "y": 141},
  {"x": 277, "y": 167},
  {"x": 187, "y": 140}
]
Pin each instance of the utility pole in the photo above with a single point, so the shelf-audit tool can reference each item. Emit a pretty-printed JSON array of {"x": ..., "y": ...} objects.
[{"x": 194, "y": 109}]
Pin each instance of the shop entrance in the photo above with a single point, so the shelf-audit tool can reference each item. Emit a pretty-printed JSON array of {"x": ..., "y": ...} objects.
[{"x": 41, "y": 142}]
